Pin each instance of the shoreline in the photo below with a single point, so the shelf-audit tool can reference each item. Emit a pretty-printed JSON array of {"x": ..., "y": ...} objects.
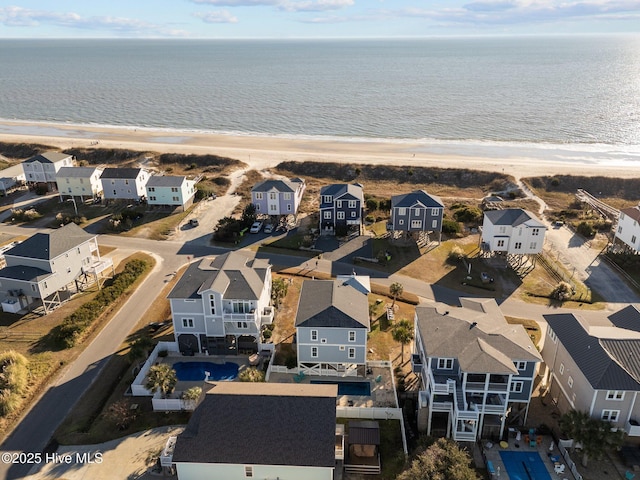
[{"x": 261, "y": 152}]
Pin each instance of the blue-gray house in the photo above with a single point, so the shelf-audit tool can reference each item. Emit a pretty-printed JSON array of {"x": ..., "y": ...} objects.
[
  {"x": 341, "y": 207},
  {"x": 416, "y": 212},
  {"x": 332, "y": 324},
  {"x": 278, "y": 197}
]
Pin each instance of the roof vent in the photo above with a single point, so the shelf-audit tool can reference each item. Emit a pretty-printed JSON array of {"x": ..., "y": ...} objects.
[
  {"x": 474, "y": 324},
  {"x": 446, "y": 313}
]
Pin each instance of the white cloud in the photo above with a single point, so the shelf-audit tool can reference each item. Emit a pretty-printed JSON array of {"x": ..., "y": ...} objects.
[
  {"x": 219, "y": 16},
  {"x": 237, "y": 3},
  {"x": 22, "y": 17},
  {"x": 314, "y": 5}
]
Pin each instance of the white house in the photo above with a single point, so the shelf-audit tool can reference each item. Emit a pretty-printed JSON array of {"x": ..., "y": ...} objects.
[
  {"x": 170, "y": 191},
  {"x": 220, "y": 304},
  {"x": 273, "y": 431},
  {"x": 79, "y": 181},
  {"x": 11, "y": 177},
  {"x": 332, "y": 324},
  {"x": 124, "y": 183},
  {"x": 628, "y": 228},
  {"x": 43, "y": 168},
  {"x": 513, "y": 231}
]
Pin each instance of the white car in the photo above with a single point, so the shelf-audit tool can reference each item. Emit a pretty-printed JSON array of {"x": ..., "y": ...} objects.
[
  {"x": 268, "y": 228},
  {"x": 256, "y": 227}
]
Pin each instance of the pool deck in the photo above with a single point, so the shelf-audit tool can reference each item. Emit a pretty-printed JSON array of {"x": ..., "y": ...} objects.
[
  {"x": 241, "y": 360},
  {"x": 492, "y": 451}
]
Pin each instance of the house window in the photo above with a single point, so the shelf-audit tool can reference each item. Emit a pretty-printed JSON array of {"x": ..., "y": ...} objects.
[
  {"x": 435, "y": 212},
  {"x": 445, "y": 363},
  {"x": 339, "y": 204},
  {"x": 288, "y": 207},
  {"x": 434, "y": 223},
  {"x": 67, "y": 180},
  {"x": 187, "y": 322},
  {"x": 352, "y": 204},
  {"x": 552, "y": 335},
  {"x": 126, "y": 182},
  {"x": 633, "y": 239},
  {"x": 212, "y": 304},
  {"x": 353, "y": 214},
  {"x": 152, "y": 189},
  {"x": 516, "y": 387},
  {"x": 176, "y": 199},
  {"x": 501, "y": 243},
  {"x": 248, "y": 471},
  {"x": 610, "y": 415},
  {"x": 273, "y": 207},
  {"x": 570, "y": 381},
  {"x": 174, "y": 189},
  {"x": 242, "y": 325},
  {"x": 327, "y": 214},
  {"x": 352, "y": 335},
  {"x": 114, "y": 192},
  {"x": 314, "y": 335},
  {"x": 520, "y": 365},
  {"x": 416, "y": 223},
  {"x": 400, "y": 222},
  {"x": 561, "y": 369},
  {"x": 615, "y": 395},
  {"x": 402, "y": 211},
  {"x": 314, "y": 352},
  {"x": 518, "y": 245},
  {"x": 416, "y": 212},
  {"x": 68, "y": 269},
  {"x": 535, "y": 232},
  {"x": 259, "y": 196},
  {"x": 619, "y": 229},
  {"x": 241, "y": 307},
  {"x": 45, "y": 285},
  {"x": 257, "y": 205},
  {"x": 503, "y": 229},
  {"x": 113, "y": 182},
  {"x": 152, "y": 198},
  {"x": 287, "y": 196},
  {"x": 533, "y": 245},
  {"x": 326, "y": 199},
  {"x": 70, "y": 190},
  {"x": 352, "y": 352},
  {"x": 340, "y": 215},
  {"x": 273, "y": 196}
]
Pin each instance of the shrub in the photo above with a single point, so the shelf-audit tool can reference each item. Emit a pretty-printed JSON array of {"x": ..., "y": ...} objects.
[
  {"x": 468, "y": 214},
  {"x": 562, "y": 291},
  {"x": 369, "y": 218},
  {"x": 585, "y": 229},
  {"x": 372, "y": 204},
  {"x": 13, "y": 380},
  {"x": 456, "y": 254},
  {"x": 450, "y": 226},
  {"x": 251, "y": 375},
  {"x": 19, "y": 215}
]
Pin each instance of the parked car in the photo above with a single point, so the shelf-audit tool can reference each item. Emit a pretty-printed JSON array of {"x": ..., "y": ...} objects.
[
  {"x": 194, "y": 222},
  {"x": 268, "y": 228},
  {"x": 256, "y": 227}
]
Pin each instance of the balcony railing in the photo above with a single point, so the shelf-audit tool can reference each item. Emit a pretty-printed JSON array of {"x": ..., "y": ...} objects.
[
  {"x": 464, "y": 436},
  {"x": 480, "y": 387},
  {"x": 416, "y": 363},
  {"x": 339, "y": 441},
  {"x": 238, "y": 317}
]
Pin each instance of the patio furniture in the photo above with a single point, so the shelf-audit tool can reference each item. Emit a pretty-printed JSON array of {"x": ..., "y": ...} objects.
[
  {"x": 378, "y": 378},
  {"x": 490, "y": 469},
  {"x": 299, "y": 377},
  {"x": 559, "y": 468},
  {"x": 504, "y": 444},
  {"x": 628, "y": 475}
]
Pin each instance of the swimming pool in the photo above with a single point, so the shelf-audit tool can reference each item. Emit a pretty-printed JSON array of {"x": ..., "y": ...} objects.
[
  {"x": 524, "y": 466},
  {"x": 349, "y": 388},
  {"x": 194, "y": 371}
]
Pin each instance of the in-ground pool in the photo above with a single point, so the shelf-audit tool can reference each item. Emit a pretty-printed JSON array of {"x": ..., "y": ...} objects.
[
  {"x": 524, "y": 466},
  {"x": 194, "y": 371},
  {"x": 349, "y": 388}
]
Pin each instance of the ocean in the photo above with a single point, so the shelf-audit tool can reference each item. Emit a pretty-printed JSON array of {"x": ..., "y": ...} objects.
[{"x": 546, "y": 91}]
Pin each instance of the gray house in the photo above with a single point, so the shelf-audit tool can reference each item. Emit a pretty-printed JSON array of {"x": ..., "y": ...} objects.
[
  {"x": 341, "y": 208},
  {"x": 124, "y": 183},
  {"x": 48, "y": 267},
  {"x": 43, "y": 168},
  {"x": 331, "y": 328},
  {"x": 278, "y": 197},
  {"x": 476, "y": 371},
  {"x": 416, "y": 212},
  {"x": 593, "y": 366},
  {"x": 220, "y": 304},
  {"x": 262, "y": 431}
]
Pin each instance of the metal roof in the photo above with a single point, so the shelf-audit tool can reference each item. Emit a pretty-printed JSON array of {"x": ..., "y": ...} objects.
[
  {"x": 130, "y": 173},
  {"x": 346, "y": 190},
  {"x": 417, "y": 197},
  {"x": 24, "y": 273},
  {"x": 633, "y": 212},
  {"x": 262, "y": 424},
  {"x": 47, "y": 246},
  {"x": 332, "y": 303},
  {"x": 77, "y": 172},
  {"x": 364, "y": 432},
  {"x": 165, "y": 181},
  {"x": 513, "y": 217},
  {"x": 280, "y": 185},
  {"x": 627, "y": 318},
  {"x": 48, "y": 157}
]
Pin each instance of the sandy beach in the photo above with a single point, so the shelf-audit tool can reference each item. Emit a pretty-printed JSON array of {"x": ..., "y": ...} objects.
[{"x": 261, "y": 152}]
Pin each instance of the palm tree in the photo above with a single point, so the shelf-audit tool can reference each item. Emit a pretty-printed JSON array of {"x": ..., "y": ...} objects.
[
  {"x": 594, "y": 434},
  {"x": 403, "y": 334},
  {"x": 161, "y": 378},
  {"x": 396, "y": 290},
  {"x": 191, "y": 396}
]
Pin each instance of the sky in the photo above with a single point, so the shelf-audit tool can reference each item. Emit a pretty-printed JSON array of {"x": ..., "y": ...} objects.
[{"x": 312, "y": 18}]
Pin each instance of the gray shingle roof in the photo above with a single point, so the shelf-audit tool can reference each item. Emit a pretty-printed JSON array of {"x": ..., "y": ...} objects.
[
  {"x": 232, "y": 274},
  {"x": 329, "y": 303},
  {"x": 130, "y": 173},
  {"x": 513, "y": 217},
  {"x": 76, "y": 172},
  {"x": 633, "y": 212},
  {"x": 46, "y": 246},
  {"x": 27, "y": 274},
  {"x": 280, "y": 185},
  {"x": 262, "y": 424},
  {"x": 165, "y": 181},
  {"x": 48, "y": 157},
  {"x": 343, "y": 190},
  {"x": 416, "y": 197},
  {"x": 477, "y": 334},
  {"x": 603, "y": 362}
]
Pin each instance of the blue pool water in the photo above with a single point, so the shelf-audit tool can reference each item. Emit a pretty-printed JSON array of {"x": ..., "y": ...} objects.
[
  {"x": 194, "y": 371},
  {"x": 349, "y": 388},
  {"x": 524, "y": 466}
]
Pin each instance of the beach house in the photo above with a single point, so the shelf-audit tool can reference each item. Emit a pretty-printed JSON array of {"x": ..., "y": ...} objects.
[
  {"x": 44, "y": 167},
  {"x": 124, "y": 183},
  {"x": 11, "y": 178},
  {"x": 273, "y": 431},
  {"x": 278, "y": 197},
  {"x": 219, "y": 305},
  {"x": 476, "y": 371},
  {"x": 332, "y": 324},
  {"x": 170, "y": 191},
  {"x": 79, "y": 182},
  {"x": 341, "y": 208},
  {"x": 47, "y": 268},
  {"x": 416, "y": 214},
  {"x": 627, "y": 232},
  {"x": 592, "y": 366},
  {"x": 512, "y": 231}
]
